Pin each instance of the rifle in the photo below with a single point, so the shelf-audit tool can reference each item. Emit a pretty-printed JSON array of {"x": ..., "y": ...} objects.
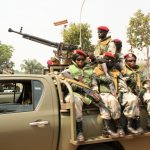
[
  {"x": 94, "y": 96},
  {"x": 103, "y": 62},
  {"x": 60, "y": 46}
]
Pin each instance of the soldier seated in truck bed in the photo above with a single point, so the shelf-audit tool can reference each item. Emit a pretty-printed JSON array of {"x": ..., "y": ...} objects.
[{"x": 79, "y": 71}]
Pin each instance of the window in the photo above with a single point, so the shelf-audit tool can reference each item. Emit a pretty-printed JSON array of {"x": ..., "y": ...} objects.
[
  {"x": 19, "y": 96},
  {"x": 37, "y": 91}
]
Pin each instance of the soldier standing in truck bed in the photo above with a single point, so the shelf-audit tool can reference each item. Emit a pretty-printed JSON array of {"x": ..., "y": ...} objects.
[
  {"x": 104, "y": 40},
  {"x": 106, "y": 44}
]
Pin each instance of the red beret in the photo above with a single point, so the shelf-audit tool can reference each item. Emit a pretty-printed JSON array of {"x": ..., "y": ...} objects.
[
  {"x": 49, "y": 62},
  {"x": 103, "y": 28},
  {"x": 117, "y": 41},
  {"x": 129, "y": 55},
  {"x": 109, "y": 54},
  {"x": 80, "y": 52}
]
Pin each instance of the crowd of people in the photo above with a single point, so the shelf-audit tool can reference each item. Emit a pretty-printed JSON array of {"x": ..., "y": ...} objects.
[{"x": 116, "y": 79}]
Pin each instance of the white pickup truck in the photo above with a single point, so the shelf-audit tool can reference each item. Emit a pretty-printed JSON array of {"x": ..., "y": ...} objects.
[{"x": 34, "y": 116}]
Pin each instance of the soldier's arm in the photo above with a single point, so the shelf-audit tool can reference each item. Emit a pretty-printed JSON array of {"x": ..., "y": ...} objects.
[{"x": 111, "y": 47}]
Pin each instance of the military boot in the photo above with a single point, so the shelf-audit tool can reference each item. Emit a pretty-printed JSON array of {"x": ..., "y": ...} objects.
[
  {"x": 138, "y": 126},
  {"x": 107, "y": 131},
  {"x": 80, "y": 136},
  {"x": 119, "y": 127},
  {"x": 130, "y": 128}
]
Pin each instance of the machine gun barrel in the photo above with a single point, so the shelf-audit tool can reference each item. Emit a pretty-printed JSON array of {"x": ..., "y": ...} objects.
[{"x": 59, "y": 46}]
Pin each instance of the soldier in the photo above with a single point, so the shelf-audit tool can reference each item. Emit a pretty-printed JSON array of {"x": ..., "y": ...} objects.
[
  {"x": 80, "y": 71},
  {"x": 49, "y": 63},
  {"x": 106, "y": 44},
  {"x": 103, "y": 43},
  {"x": 118, "y": 46},
  {"x": 55, "y": 61},
  {"x": 130, "y": 100},
  {"x": 108, "y": 97},
  {"x": 118, "y": 54},
  {"x": 145, "y": 97}
]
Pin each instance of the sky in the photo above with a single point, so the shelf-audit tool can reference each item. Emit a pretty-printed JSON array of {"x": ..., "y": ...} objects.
[{"x": 37, "y": 18}]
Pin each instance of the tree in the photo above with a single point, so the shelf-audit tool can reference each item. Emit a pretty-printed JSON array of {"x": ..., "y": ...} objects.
[
  {"x": 71, "y": 35},
  {"x": 32, "y": 66},
  {"x": 138, "y": 33},
  {"x": 5, "y": 56}
]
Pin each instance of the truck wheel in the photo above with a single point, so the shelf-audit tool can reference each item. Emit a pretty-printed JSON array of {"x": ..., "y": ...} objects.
[{"x": 97, "y": 147}]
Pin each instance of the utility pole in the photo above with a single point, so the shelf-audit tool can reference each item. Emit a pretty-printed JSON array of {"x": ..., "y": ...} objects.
[{"x": 80, "y": 24}]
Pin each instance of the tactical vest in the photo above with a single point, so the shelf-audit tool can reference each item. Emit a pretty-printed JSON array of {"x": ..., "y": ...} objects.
[
  {"x": 102, "y": 46},
  {"x": 134, "y": 73},
  {"x": 113, "y": 73},
  {"x": 81, "y": 74}
]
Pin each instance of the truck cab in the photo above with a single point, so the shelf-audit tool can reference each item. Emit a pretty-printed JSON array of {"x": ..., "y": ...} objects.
[{"x": 34, "y": 115}]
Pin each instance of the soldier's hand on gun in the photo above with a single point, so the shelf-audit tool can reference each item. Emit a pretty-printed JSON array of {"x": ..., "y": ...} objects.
[
  {"x": 96, "y": 96},
  {"x": 74, "y": 86},
  {"x": 108, "y": 79},
  {"x": 125, "y": 78}
]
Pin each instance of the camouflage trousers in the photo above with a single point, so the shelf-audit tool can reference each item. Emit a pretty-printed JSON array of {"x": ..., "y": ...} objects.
[
  {"x": 112, "y": 104},
  {"x": 130, "y": 103},
  {"x": 78, "y": 101},
  {"x": 146, "y": 99}
]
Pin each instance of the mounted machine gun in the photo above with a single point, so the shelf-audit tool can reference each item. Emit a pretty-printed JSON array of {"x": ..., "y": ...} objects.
[{"x": 62, "y": 56}]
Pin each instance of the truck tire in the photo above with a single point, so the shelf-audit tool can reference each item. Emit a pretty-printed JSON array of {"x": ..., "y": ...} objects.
[{"x": 97, "y": 147}]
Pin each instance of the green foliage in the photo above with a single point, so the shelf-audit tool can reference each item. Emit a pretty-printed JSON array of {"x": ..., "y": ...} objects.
[
  {"x": 5, "y": 56},
  {"x": 138, "y": 32},
  {"x": 32, "y": 66},
  {"x": 71, "y": 35},
  {"x": 5, "y": 53}
]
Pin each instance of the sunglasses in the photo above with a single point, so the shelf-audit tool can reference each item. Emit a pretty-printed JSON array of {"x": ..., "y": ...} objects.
[
  {"x": 80, "y": 59},
  {"x": 108, "y": 59},
  {"x": 131, "y": 60}
]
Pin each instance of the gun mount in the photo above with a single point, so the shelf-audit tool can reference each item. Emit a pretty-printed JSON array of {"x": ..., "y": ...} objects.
[{"x": 60, "y": 46}]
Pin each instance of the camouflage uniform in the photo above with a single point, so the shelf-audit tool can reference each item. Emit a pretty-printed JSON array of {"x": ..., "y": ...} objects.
[
  {"x": 82, "y": 72},
  {"x": 83, "y": 75},
  {"x": 103, "y": 46},
  {"x": 107, "y": 93},
  {"x": 108, "y": 98},
  {"x": 107, "y": 45},
  {"x": 130, "y": 100}
]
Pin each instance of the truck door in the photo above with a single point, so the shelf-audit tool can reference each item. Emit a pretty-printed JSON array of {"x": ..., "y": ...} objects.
[{"x": 26, "y": 115}]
